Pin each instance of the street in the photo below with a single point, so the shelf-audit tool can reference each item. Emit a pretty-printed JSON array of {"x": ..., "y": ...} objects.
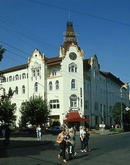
[{"x": 105, "y": 150}]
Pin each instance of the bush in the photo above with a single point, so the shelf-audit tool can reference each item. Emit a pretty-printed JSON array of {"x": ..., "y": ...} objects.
[
  {"x": 119, "y": 130},
  {"x": 97, "y": 127}
]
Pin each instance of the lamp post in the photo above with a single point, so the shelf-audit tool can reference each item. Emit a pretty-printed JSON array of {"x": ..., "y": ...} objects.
[
  {"x": 121, "y": 91},
  {"x": 121, "y": 110},
  {"x": 43, "y": 88}
]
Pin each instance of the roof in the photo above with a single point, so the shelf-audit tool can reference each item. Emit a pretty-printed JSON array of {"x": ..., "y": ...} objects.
[
  {"x": 14, "y": 68},
  {"x": 86, "y": 64},
  {"x": 49, "y": 61},
  {"x": 70, "y": 37},
  {"x": 74, "y": 117},
  {"x": 112, "y": 77},
  {"x": 54, "y": 60}
]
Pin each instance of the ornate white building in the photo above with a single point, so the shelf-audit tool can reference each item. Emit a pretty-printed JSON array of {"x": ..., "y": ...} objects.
[{"x": 69, "y": 82}]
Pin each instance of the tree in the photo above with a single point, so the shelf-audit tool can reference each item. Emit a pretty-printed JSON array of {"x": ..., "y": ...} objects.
[
  {"x": 35, "y": 111},
  {"x": 2, "y": 51},
  {"x": 117, "y": 112},
  {"x": 7, "y": 109}
]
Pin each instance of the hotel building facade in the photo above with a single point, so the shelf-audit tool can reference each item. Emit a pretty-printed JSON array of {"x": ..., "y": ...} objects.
[{"x": 69, "y": 82}]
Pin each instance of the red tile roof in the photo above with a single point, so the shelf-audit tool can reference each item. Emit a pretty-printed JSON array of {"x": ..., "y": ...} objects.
[{"x": 14, "y": 68}]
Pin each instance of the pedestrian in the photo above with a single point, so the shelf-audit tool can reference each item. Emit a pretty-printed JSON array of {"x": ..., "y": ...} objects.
[
  {"x": 71, "y": 143},
  {"x": 75, "y": 129},
  {"x": 39, "y": 132},
  {"x": 7, "y": 136},
  {"x": 61, "y": 139},
  {"x": 3, "y": 128},
  {"x": 86, "y": 139},
  {"x": 81, "y": 137}
]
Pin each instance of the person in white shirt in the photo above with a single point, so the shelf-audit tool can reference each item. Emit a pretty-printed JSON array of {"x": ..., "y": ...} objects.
[
  {"x": 81, "y": 137},
  {"x": 39, "y": 132}
]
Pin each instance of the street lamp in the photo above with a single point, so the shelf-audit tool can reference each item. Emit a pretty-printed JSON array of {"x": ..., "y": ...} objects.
[
  {"x": 43, "y": 88},
  {"x": 123, "y": 86}
]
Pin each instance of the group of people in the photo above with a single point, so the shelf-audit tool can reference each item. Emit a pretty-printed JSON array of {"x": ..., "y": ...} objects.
[{"x": 66, "y": 140}]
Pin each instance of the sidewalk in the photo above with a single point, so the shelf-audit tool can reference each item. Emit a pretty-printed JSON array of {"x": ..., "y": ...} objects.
[{"x": 103, "y": 132}]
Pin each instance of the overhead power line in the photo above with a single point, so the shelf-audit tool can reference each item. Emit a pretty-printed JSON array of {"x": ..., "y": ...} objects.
[
  {"x": 82, "y": 13},
  {"x": 14, "y": 47},
  {"x": 24, "y": 31}
]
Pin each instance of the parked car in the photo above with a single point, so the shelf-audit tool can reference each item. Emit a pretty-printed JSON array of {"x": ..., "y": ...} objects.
[{"x": 54, "y": 130}]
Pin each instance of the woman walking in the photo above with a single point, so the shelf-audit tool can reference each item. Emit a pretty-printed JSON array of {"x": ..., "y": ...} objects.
[
  {"x": 84, "y": 140},
  {"x": 61, "y": 139}
]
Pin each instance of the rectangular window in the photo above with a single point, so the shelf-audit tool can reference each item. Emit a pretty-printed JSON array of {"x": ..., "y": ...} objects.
[
  {"x": 86, "y": 105},
  {"x": 54, "y": 104}
]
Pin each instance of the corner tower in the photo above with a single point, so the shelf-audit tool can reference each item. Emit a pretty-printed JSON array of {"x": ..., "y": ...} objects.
[{"x": 69, "y": 40}]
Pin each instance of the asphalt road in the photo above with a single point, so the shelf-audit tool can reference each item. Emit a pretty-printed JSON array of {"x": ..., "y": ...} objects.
[{"x": 105, "y": 150}]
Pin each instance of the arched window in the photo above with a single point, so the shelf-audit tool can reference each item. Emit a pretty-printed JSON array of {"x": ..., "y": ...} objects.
[
  {"x": 73, "y": 101},
  {"x": 34, "y": 73},
  {"x": 23, "y": 89},
  {"x": 50, "y": 85},
  {"x": 10, "y": 78},
  {"x": 23, "y": 76},
  {"x": 57, "y": 84},
  {"x": 72, "y": 67},
  {"x": 16, "y": 77},
  {"x": 16, "y": 90},
  {"x": 73, "y": 84},
  {"x": 38, "y": 72},
  {"x": 36, "y": 87}
]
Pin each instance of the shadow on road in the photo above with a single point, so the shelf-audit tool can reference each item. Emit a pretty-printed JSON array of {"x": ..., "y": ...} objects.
[{"x": 24, "y": 147}]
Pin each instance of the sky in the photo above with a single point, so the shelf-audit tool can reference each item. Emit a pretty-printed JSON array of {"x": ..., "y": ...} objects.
[{"x": 102, "y": 28}]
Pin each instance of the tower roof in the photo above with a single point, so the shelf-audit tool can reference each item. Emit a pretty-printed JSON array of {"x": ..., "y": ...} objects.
[{"x": 70, "y": 36}]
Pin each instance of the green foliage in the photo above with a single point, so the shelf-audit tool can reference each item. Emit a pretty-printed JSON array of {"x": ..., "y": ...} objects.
[
  {"x": 96, "y": 127},
  {"x": 34, "y": 111},
  {"x": 117, "y": 111},
  {"x": 119, "y": 130},
  {"x": 2, "y": 51},
  {"x": 7, "y": 109}
]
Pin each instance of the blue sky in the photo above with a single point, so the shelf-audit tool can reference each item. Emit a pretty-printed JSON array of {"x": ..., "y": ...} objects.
[{"x": 103, "y": 28}]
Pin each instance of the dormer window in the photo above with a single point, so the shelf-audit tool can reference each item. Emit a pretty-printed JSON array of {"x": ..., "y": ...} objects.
[{"x": 54, "y": 73}]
